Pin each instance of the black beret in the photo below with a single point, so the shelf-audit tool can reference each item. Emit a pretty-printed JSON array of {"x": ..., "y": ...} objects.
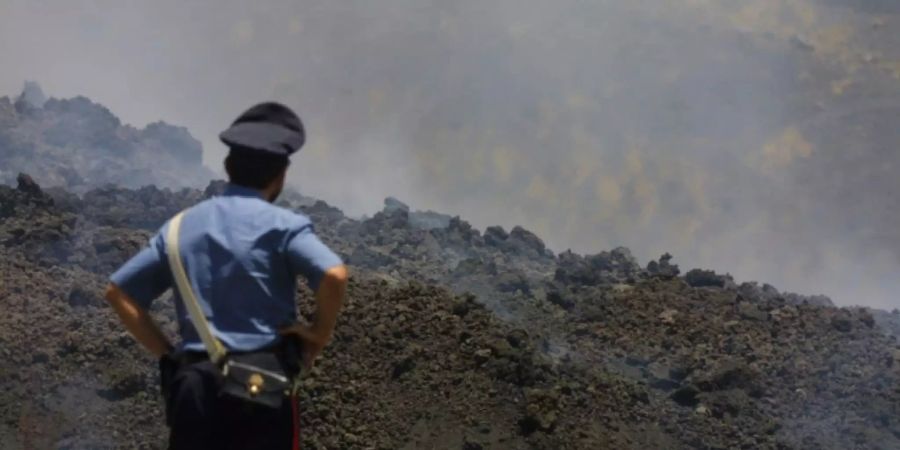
[{"x": 268, "y": 129}]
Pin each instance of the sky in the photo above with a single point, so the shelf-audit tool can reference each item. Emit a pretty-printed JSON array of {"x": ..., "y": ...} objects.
[{"x": 753, "y": 137}]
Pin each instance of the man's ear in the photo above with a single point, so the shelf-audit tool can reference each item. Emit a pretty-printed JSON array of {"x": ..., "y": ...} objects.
[
  {"x": 226, "y": 163},
  {"x": 276, "y": 186}
]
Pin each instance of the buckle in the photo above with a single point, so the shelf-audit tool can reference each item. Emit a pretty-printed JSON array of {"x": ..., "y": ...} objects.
[{"x": 255, "y": 384}]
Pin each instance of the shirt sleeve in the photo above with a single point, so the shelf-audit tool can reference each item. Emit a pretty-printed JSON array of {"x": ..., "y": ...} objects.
[
  {"x": 308, "y": 256},
  {"x": 146, "y": 275}
]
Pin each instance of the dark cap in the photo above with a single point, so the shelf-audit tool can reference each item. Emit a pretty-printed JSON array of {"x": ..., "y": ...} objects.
[{"x": 267, "y": 128}]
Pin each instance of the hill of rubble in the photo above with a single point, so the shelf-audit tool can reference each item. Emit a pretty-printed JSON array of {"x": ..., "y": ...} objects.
[
  {"x": 452, "y": 338},
  {"x": 79, "y": 144}
]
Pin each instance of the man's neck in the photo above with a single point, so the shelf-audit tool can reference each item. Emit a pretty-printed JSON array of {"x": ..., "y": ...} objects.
[
  {"x": 245, "y": 191},
  {"x": 269, "y": 195}
]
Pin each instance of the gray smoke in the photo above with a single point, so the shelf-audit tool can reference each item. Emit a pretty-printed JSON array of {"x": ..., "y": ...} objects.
[
  {"x": 32, "y": 95},
  {"x": 756, "y": 137}
]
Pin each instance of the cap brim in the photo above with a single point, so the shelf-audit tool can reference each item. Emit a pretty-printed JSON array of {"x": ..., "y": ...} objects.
[{"x": 264, "y": 137}]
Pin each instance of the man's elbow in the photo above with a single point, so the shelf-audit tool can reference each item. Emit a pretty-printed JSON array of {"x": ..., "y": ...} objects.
[
  {"x": 337, "y": 275},
  {"x": 114, "y": 295}
]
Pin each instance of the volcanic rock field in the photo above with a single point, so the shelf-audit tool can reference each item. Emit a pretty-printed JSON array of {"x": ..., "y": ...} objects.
[{"x": 452, "y": 337}]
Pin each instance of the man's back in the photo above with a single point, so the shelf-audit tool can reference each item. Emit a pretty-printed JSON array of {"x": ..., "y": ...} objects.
[
  {"x": 242, "y": 255},
  {"x": 236, "y": 252}
]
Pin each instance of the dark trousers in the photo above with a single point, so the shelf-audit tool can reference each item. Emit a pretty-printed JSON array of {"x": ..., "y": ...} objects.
[{"x": 200, "y": 418}]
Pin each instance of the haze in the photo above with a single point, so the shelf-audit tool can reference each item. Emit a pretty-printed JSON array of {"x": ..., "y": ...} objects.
[{"x": 755, "y": 137}]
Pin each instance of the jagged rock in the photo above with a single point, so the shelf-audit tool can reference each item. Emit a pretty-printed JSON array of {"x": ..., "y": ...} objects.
[
  {"x": 604, "y": 268},
  {"x": 754, "y": 291},
  {"x": 512, "y": 282},
  {"x": 527, "y": 241},
  {"x": 27, "y": 185},
  {"x": 686, "y": 396},
  {"x": 214, "y": 188},
  {"x": 842, "y": 322},
  {"x": 495, "y": 236},
  {"x": 420, "y": 220},
  {"x": 542, "y": 411},
  {"x": 160, "y": 137},
  {"x": 444, "y": 326},
  {"x": 704, "y": 278},
  {"x": 472, "y": 445},
  {"x": 663, "y": 268},
  {"x": 82, "y": 145},
  {"x": 460, "y": 231},
  {"x": 429, "y": 220},
  {"x": 751, "y": 311},
  {"x": 816, "y": 300},
  {"x": 729, "y": 374},
  {"x": 560, "y": 300},
  {"x": 325, "y": 211},
  {"x": 474, "y": 267},
  {"x": 866, "y": 318},
  {"x": 80, "y": 297},
  {"x": 364, "y": 256},
  {"x": 391, "y": 204},
  {"x": 668, "y": 316}
]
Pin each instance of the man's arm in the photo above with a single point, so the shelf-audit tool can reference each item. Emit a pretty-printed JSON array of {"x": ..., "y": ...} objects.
[
  {"x": 133, "y": 287},
  {"x": 137, "y": 321},
  {"x": 329, "y": 299}
]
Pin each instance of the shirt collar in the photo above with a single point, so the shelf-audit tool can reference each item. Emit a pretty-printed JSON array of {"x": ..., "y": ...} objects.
[{"x": 233, "y": 190}]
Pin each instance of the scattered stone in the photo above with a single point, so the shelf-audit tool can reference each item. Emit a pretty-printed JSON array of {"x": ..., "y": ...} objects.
[
  {"x": 448, "y": 335},
  {"x": 663, "y": 268},
  {"x": 842, "y": 323},
  {"x": 751, "y": 311},
  {"x": 391, "y": 205},
  {"x": 80, "y": 297},
  {"x": 707, "y": 278},
  {"x": 668, "y": 316},
  {"x": 686, "y": 396},
  {"x": 27, "y": 185}
]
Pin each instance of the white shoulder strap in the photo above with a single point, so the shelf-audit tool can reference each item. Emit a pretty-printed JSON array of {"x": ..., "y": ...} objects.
[{"x": 215, "y": 348}]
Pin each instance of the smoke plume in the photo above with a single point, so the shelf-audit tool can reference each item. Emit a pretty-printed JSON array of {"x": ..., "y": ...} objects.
[{"x": 755, "y": 137}]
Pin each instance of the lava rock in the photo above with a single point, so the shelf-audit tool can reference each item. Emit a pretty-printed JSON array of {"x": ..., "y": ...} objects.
[{"x": 706, "y": 278}]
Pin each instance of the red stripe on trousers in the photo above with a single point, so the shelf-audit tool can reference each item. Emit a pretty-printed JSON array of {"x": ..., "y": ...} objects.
[{"x": 296, "y": 420}]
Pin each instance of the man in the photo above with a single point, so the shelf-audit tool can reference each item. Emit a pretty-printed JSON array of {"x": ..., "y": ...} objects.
[{"x": 241, "y": 255}]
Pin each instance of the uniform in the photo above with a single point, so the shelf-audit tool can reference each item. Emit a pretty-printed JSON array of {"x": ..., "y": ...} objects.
[{"x": 242, "y": 256}]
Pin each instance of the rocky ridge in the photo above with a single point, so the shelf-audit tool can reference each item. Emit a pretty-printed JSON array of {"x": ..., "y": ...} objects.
[
  {"x": 79, "y": 144},
  {"x": 452, "y": 338}
]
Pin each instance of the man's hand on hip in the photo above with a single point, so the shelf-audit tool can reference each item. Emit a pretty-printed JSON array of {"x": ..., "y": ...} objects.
[
  {"x": 313, "y": 342},
  {"x": 329, "y": 298}
]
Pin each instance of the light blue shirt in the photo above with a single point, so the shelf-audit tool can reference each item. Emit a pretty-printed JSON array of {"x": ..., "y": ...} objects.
[{"x": 242, "y": 255}]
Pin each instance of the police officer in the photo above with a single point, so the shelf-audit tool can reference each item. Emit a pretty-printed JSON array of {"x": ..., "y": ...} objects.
[{"x": 242, "y": 256}]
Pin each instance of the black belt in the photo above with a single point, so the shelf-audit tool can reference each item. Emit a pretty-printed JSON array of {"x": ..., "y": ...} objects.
[
  {"x": 288, "y": 348},
  {"x": 190, "y": 357}
]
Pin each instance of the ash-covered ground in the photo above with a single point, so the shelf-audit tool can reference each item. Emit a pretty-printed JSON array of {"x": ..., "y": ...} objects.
[{"x": 452, "y": 337}]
